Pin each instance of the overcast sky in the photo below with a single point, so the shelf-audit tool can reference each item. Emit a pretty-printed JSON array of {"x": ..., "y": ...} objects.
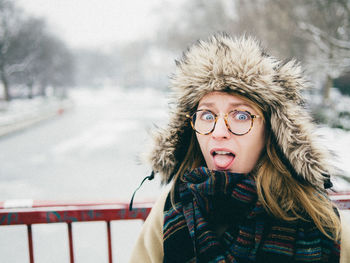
[{"x": 95, "y": 23}]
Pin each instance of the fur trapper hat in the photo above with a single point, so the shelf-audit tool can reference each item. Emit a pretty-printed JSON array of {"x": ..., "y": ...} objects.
[{"x": 241, "y": 66}]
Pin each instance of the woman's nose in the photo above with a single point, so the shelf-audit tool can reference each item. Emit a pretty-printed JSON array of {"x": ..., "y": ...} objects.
[{"x": 220, "y": 130}]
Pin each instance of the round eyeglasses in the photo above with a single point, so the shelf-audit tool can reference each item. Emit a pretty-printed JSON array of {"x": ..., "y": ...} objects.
[{"x": 237, "y": 122}]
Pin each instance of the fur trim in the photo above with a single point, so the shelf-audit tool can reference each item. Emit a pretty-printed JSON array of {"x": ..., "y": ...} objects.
[{"x": 240, "y": 65}]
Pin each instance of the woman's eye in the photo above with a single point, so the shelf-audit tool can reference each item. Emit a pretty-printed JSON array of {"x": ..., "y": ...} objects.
[
  {"x": 207, "y": 116},
  {"x": 242, "y": 116}
]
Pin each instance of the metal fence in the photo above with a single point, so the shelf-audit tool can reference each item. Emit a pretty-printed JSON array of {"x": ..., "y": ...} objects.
[
  {"x": 29, "y": 213},
  {"x": 41, "y": 212}
]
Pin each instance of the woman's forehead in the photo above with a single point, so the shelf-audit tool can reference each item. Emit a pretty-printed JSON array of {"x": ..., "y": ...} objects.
[{"x": 217, "y": 98}]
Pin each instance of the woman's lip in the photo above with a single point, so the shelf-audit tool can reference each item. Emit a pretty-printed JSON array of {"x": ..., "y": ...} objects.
[{"x": 221, "y": 150}]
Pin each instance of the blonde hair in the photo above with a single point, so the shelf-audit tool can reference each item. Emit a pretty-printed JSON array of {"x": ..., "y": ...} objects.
[
  {"x": 278, "y": 191},
  {"x": 288, "y": 199}
]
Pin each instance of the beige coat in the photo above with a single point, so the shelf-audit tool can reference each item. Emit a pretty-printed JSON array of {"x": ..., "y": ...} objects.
[{"x": 149, "y": 245}]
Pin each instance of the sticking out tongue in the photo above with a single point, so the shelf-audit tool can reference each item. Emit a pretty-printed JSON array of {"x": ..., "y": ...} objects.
[{"x": 223, "y": 161}]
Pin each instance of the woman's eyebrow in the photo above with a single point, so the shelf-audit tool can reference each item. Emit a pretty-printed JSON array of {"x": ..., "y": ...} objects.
[
  {"x": 240, "y": 104},
  {"x": 206, "y": 104},
  {"x": 210, "y": 104}
]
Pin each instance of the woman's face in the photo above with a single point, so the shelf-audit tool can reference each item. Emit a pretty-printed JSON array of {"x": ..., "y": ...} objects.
[{"x": 223, "y": 150}]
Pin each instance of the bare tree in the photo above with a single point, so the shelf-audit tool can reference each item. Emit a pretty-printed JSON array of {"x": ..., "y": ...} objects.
[
  {"x": 25, "y": 50},
  {"x": 327, "y": 26},
  {"x": 9, "y": 21},
  {"x": 316, "y": 32},
  {"x": 270, "y": 21},
  {"x": 195, "y": 19},
  {"x": 54, "y": 66},
  {"x": 30, "y": 56},
  {"x": 104, "y": 65}
]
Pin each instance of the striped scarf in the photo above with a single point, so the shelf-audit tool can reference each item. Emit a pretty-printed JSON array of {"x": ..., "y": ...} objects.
[{"x": 207, "y": 200}]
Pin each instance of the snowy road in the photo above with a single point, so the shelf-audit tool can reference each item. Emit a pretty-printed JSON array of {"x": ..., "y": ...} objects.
[{"x": 89, "y": 153}]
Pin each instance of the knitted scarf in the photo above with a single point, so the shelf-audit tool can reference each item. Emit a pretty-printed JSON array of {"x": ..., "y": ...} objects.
[{"x": 209, "y": 202}]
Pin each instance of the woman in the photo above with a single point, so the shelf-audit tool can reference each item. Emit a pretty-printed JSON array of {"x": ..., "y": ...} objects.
[{"x": 248, "y": 178}]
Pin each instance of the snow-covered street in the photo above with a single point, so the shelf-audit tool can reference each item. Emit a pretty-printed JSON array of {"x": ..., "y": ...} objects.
[{"x": 90, "y": 152}]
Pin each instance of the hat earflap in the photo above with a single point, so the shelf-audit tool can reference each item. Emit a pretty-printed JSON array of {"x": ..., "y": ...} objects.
[{"x": 294, "y": 133}]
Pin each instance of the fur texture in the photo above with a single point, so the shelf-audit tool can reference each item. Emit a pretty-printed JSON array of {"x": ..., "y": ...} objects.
[{"x": 240, "y": 65}]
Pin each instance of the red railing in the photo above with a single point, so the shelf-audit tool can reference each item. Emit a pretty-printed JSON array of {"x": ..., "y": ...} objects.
[{"x": 29, "y": 213}]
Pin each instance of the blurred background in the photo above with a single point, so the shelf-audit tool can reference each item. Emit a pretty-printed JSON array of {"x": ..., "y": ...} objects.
[{"x": 83, "y": 83}]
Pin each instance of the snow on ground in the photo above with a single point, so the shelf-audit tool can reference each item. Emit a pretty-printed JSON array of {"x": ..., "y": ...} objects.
[
  {"x": 94, "y": 146},
  {"x": 338, "y": 142},
  {"x": 87, "y": 153},
  {"x": 20, "y": 114}
]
